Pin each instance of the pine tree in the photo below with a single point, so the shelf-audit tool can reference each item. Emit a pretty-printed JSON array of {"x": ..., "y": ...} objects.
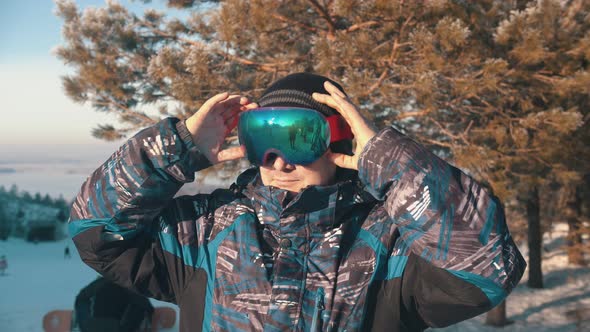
[
  {"x": 548, "y": 48},
  {"x": 500, "y": 88},
  {"x": 61, "y": 203},
  {"x": 4, "y": 223},
  {"x": 26, "y": 196},
  {"x": 13, "y": 191},
  {"x": 47, "y": 200},
  {"x": 61, "y": 216}
]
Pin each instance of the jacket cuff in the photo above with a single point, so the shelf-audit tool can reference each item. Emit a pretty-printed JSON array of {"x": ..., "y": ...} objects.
[
  {"x": 169, "y": 146},
  {"x": 193, "y": 160},
  {"x": 184, "y": 133}
]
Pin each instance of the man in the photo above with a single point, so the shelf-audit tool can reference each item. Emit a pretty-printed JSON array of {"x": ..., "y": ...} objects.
[{"x": 385, "y": 237}]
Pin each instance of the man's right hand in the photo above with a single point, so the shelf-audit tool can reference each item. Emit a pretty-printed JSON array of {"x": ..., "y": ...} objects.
[{"x": 213, "y": 122}]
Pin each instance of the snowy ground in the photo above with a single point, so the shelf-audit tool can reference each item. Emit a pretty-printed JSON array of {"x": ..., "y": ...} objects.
[{"x": 39, "y": 280}]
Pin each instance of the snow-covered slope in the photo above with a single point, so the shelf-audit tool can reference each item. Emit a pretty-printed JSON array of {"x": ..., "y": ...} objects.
[{"x": 39, "y": 279}]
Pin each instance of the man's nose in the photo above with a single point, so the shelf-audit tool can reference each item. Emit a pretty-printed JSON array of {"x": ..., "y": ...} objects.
[{"x": 280, "y": 164}]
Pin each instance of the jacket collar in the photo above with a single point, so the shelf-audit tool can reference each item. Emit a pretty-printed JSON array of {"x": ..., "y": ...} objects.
[{"x": 323, "y": 204}]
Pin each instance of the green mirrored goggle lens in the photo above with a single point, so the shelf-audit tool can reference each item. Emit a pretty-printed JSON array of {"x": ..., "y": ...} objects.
[{"x": 298, "y": 135}]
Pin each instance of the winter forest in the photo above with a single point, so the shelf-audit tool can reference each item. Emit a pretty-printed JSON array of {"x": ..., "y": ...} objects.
[{"x": 500, "y": 89}]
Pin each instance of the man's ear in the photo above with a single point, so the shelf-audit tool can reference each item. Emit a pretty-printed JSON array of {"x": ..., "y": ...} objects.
[{"x": 342, "y": 146}]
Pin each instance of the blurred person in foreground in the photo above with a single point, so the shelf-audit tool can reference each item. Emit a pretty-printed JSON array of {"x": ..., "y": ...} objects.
[{"x": 385, "y": 237}]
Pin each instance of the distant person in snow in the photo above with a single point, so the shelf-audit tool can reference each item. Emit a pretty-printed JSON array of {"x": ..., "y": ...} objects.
[
  {"x": 67, "y": 252},
  {"x": 383, "y": 237},
  {"x": 3, "y": 264}
]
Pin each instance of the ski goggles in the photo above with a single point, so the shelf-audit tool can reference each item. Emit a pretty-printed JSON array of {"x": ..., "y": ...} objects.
[{"x": 298, "y": 135}]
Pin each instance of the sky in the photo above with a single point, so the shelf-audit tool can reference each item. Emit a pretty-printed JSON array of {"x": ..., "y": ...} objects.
[
  {"x": 35, "y": 114},
  {"x": 46, "y": 143}
]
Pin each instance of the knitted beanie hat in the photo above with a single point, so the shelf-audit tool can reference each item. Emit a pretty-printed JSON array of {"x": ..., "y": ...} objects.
[{"x": 295, "y": 90}]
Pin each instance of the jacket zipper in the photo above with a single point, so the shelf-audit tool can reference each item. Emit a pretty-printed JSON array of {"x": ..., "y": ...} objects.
[{"x": 316, "y": 323}]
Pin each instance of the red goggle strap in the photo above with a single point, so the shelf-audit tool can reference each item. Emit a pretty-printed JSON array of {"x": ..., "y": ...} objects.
[{"x": 339, "y": 128}]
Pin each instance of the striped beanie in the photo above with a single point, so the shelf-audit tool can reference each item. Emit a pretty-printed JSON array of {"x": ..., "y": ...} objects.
[{"x": 295, "y": 90}]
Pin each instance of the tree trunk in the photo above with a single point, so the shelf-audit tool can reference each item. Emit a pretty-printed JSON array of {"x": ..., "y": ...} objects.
[
  {"x": 535, "y": 238},
  {"x": 575, "y": 253},
  {"x": 497, "y": 316},
  {"x": 572, "y": 212}
]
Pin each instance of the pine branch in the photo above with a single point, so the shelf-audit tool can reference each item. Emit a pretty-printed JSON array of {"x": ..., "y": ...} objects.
[
  {"x": 114, "y": 106},
  {"x": 326, "y": 16},
  {"x": 547, "y": 79},
  {"x": 445, "y": 131},
  {"x": 415, "y": 114},
  {"x": 439, "y": 143},
  {"x": 294, "y": 22},
  {"x": 489, "y": 108},
  {"x": 268, "y": 67},
  {"x": 396, "y": 45},
  {"x": 358, "y": 26}
]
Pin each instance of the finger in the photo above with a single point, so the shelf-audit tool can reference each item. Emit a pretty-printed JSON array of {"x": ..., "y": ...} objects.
[
  {"x": 329, "y": 100},
  {"x": 326, "y": 99},
  {"x": 231, "y": 153},
  {"x": 235, "y": 99},
  {"x": 245, "y": 101},
  {"x": 343, "y": 106},
  {"x": 232, "y": 101},
  {"x": 332, "y": 89},
  {"x": 231, "y": 119},
  {"x": 340, "y": 98},
  {"x": 343, "y": 160},
  {"x": 249, "y": 106},
  {"x": 211, "y": 102},
  {"x": 233, "y": 104},
  {"x": 235, "y": 112}
]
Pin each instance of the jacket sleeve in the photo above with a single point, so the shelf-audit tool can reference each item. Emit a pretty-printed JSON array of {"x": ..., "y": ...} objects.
[
  {"x": 125, "y": 222},
  {"x": 454, "y": 254}
]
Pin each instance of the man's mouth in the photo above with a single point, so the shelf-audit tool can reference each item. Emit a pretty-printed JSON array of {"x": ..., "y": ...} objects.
[{"x": 284, "y": 180}]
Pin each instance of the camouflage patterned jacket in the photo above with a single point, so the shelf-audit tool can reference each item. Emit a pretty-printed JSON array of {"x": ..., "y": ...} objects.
[{"x": 408, "y": 242}]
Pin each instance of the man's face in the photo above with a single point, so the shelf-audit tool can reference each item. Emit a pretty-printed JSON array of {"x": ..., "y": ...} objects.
[{"x": 278, "y": 173}]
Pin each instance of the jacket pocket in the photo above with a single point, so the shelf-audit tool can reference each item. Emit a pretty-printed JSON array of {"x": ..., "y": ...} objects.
[{"x": 316, "y": 323}]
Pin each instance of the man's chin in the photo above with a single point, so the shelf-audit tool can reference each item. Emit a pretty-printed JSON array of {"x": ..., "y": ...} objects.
[{"x": 291, "y": 186}]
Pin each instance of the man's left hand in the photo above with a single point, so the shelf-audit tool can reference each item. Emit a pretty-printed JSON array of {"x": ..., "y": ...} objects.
[{"x": 362, "y": 128}]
